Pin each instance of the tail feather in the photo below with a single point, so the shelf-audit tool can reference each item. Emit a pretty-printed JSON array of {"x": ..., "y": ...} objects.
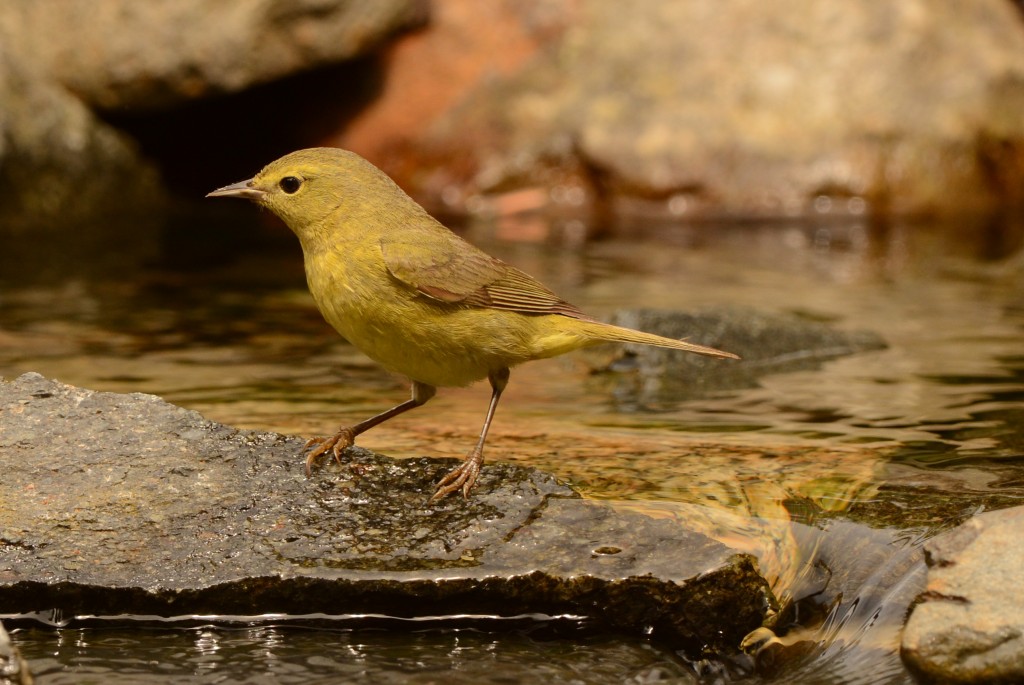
[{"x": 606, "y": 331}]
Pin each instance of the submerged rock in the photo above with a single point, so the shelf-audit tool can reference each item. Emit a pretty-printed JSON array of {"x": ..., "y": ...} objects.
[
  {"x": 766, "y": 343},
  {"x": 969, "y": 625},
  {"x": 124, "y": 504}
]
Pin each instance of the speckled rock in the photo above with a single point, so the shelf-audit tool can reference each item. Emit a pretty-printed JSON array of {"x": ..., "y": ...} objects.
[
  {"x": 124, "y": 504},
  {"x": 969, "y": 625}
]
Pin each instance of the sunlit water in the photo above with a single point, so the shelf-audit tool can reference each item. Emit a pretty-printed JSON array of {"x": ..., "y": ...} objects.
[{"x": 833, "y": 477}]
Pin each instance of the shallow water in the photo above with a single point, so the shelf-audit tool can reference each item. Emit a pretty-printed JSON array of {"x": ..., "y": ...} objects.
[
  {"x": 834, "y": 477},
  {"x": 274, "y": 653}
]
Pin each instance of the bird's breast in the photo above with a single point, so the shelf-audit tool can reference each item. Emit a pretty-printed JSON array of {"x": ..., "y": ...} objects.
[{"x": 437, "y": 343}]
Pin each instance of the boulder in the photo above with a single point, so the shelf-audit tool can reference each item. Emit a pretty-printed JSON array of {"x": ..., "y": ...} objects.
[
  {"x": 968, "y": 626},
  {"x": 65, "y": 170},
  {"x": 124, "y": 54}
]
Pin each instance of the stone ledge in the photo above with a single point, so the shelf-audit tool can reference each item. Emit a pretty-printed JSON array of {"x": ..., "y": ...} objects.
[{"x": 127, "y": 505}]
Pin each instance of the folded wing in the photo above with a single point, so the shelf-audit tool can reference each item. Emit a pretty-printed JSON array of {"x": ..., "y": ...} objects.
[{"x": 452, "y": 270}]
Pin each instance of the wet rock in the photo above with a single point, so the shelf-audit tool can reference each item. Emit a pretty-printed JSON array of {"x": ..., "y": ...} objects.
[
  {"x": 766, "y": 343},
  {"x": 969, "y": 624},
  {"x": 14, "y": 669},
  {"x": 59, "y": 165},
  {"x": 121, "y": 53},
  {"x": 124, "y": 504},
  {"x": 751, "y": 108}
]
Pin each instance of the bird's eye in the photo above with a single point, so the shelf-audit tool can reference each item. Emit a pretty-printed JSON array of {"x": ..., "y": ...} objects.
[{"x": 290, "y": 184}]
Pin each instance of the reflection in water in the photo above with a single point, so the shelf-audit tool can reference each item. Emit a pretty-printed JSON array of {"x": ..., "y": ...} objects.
[
  {"x": 297, "y": 654},
  {"x": 833, "y": 477}
]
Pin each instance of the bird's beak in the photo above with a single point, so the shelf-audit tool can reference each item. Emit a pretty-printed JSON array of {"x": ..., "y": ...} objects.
[{"x": 242, "y": 189}]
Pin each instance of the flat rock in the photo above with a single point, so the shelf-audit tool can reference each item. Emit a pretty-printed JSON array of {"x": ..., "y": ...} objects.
[
  {"x": 969, "y": 624},
  {"x": 124, "y": 504}
]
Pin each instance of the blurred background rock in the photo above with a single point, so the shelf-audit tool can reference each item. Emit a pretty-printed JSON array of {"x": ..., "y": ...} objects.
[{"x": 686, "y": 108}]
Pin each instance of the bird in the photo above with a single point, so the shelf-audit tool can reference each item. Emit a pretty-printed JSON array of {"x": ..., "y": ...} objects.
[{"x": 415, "y": 297}]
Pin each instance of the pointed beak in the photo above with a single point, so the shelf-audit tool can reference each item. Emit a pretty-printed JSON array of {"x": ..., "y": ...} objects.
[{"x": 242, "y": 189}]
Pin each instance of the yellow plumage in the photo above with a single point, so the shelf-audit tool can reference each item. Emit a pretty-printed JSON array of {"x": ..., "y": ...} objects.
[{"x": 412, "y": 295}]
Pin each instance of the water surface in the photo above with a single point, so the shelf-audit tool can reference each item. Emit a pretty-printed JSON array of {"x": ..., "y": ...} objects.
[{"x": 834, "y": 477}]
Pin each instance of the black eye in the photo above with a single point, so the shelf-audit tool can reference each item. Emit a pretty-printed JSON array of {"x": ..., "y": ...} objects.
[{"x": 290, "y": 184}]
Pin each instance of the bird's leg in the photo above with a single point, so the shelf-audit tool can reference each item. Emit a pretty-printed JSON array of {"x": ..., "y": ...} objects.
[
  {"x": 346, "y": 435},
  {"x": 464, "y": 475}
]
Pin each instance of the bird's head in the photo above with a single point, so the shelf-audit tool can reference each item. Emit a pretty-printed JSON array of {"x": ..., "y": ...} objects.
[{"x": 305, "y": 187}]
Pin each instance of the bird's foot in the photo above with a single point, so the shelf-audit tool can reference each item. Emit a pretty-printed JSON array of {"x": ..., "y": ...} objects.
[
  {"x": 461, "y": 477},
  {"x": 336, "y": 444}
]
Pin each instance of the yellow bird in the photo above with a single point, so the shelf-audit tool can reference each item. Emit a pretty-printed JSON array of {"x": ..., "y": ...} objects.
[{"x": 412, "y": 295}]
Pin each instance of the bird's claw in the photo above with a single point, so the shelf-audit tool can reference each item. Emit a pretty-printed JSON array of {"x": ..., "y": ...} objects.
[
  {"x": 462, "y": 477},
  {"x": 336, "y": 444}
]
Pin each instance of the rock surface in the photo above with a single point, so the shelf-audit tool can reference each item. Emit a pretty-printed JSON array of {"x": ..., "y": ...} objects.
[
  {"x": 120, "y": 53},
  {"x": 753, "y": 108},
  {"x": 969, "y": 626},
  {"x": 124, "y": 504}
]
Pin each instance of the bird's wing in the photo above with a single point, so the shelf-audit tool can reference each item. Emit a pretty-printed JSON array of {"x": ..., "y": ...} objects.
[{"x": 452, "y": 270}]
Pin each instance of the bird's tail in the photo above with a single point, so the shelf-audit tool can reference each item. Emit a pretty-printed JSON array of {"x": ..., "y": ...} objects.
[{"x": 607, "y": 332}]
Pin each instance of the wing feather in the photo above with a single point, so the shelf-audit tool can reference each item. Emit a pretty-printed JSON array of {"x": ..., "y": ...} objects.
[{"x": 452, "y": 270}]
